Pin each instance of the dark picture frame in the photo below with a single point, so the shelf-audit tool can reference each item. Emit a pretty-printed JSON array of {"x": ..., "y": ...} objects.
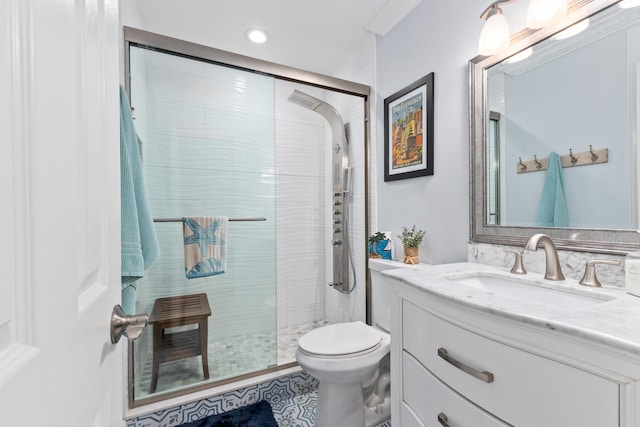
[{"x": 408, "y": 131}]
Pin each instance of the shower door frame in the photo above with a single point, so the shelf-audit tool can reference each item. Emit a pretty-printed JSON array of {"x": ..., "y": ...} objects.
[{"x": 134, "y": 36}]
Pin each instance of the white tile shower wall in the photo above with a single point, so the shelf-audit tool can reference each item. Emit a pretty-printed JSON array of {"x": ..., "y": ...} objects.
[
  {"x": 300, "y": 200},
  {"x": 303, "y": 157},
  {"x": 573, "y": 263}
]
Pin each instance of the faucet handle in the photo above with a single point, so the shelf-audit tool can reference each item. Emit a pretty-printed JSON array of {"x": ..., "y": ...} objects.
[
  {"x": 518, "y": 265},
  {"x": 589, "y": 278}
]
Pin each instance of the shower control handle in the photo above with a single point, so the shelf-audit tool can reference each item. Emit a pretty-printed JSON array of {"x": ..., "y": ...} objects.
[
  {"x": 337, "y": 212},
  {"x": 336, "y": 242},
  {"x": 337, "y": 203}
]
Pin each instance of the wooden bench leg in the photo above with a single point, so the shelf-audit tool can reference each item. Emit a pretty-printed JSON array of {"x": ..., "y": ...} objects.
[
  {"x": 157, "y": 336},
  {"x": 204, "y": 344}
]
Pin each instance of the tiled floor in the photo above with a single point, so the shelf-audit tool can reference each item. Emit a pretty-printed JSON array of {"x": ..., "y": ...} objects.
[
  {"x": 297, "y": 411},
  {"x": 300, "y": 410},
  {"x": 292, "y": 397},
  {"x": 293, "y": 400}
]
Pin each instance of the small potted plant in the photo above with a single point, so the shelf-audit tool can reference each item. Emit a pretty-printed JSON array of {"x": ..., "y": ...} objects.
[
  {"x": 411, "y": 241},
  {"x": 374, "y": 240}
]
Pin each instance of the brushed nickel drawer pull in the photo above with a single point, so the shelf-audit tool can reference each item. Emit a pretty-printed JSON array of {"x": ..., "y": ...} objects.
[
  {"x": 442, "y": 419},
  {"x": 485, "y": 376}
]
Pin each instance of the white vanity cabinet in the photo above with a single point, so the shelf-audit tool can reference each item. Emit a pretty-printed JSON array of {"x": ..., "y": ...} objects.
[{"x": 456, "y": 366}]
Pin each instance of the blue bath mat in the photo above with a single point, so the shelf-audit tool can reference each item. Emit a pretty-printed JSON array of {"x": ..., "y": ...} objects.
[{"x": 256, "y": 415}]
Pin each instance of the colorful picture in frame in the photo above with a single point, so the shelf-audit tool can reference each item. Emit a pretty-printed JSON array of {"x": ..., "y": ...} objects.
[{"x": 408, "y": 131}]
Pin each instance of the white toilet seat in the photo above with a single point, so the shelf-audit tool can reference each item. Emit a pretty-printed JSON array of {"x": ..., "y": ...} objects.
[{"x": 340, "y": 340}]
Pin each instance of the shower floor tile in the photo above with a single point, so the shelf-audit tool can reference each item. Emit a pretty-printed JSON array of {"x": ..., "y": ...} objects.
[
  {"x": 288, "y": 339},
  {"x": 228, "y": 357}
]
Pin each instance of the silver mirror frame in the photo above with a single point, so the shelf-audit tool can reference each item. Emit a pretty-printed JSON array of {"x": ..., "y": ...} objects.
[{"x": 577, "y": 239}]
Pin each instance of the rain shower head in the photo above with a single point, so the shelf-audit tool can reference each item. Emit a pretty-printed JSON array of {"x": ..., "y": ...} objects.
[
  {"x": 304, "y": 100},
  {"x": 319, "y": 106}
]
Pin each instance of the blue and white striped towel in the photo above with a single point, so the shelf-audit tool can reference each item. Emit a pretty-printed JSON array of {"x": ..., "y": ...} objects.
[{"x": 205, "y": 245}]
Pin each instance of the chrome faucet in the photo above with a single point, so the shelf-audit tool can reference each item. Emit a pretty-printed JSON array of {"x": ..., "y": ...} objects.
[{"x": 553, "y": 270}]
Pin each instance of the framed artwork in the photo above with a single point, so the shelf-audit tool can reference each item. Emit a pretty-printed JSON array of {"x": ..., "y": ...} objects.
[{"x": 408, "y": 131}]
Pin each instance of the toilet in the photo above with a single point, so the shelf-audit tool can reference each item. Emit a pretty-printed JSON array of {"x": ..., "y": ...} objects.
[{"x": 351, "y": 361}]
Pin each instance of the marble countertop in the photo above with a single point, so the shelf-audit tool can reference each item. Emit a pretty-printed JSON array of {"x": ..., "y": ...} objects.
[{"x": 612, "y": 319}]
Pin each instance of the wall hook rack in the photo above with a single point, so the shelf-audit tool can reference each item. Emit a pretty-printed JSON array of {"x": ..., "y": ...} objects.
[{"x": 585, "y": 158}]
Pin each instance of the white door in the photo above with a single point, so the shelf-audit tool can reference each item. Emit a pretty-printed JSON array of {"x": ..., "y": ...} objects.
[{"x": 59, "y": 213}]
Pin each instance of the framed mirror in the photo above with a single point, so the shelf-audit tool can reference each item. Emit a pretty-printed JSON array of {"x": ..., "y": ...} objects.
[{"x": 571, "y": 90}]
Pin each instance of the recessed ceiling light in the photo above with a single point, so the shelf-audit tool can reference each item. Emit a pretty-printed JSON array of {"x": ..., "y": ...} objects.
[{"x": 257, "y": 36}]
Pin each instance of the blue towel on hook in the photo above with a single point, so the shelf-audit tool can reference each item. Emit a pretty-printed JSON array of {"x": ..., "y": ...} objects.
[
  {"x": 205, "y": 245},
  {"x": 553, "y": 205},
  {"x": 138, "y": 235}
]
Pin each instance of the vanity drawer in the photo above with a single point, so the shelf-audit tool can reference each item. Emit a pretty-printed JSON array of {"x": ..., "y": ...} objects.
[
  {"x": 518, "y": 387},
  {"x": 435, "y": 403},
  {"x": 408, "y": 417}
]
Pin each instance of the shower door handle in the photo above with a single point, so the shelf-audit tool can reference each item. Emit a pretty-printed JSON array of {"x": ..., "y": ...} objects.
[{"x": 121, "y": 322}]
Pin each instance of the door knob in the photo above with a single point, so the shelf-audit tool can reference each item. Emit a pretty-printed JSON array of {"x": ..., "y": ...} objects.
[{"x": 122, "y": 322}]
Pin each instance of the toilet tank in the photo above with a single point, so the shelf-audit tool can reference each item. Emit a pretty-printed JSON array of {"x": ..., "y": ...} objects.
[{"x": 381, "y": 291}]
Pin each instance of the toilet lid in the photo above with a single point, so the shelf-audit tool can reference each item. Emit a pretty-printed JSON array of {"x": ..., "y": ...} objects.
[{"x": 340, "y": 339}]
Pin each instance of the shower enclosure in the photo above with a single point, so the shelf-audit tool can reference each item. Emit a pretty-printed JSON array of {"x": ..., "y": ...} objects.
[{"x": 222, "y": 139}]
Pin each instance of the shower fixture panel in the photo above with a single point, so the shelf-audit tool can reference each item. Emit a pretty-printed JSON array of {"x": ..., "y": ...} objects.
[{"x": 340, "y": 187}]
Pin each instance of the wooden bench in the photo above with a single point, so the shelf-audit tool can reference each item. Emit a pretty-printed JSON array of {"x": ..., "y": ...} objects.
[{"x": 173, "y": 312}]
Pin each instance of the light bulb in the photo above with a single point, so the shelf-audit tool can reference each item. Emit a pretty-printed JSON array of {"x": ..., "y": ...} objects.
[
  {"x": 495, "y": 35},
  {"x": 545, "y": 12}
]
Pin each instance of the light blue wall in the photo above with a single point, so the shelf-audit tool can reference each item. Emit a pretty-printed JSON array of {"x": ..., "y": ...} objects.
[{"x": 439, "y": 36}]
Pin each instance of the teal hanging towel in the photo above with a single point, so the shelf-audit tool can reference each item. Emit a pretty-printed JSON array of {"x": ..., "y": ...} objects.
[
  {"x": 138, "y": 233},
  {"x": 553, "y": 205}
]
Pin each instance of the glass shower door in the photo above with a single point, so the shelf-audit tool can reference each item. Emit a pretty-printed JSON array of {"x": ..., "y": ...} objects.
[{"x": 207, "y": 141}]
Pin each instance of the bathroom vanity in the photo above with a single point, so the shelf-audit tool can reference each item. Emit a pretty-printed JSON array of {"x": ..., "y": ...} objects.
[{"x": 474, "y": 345}]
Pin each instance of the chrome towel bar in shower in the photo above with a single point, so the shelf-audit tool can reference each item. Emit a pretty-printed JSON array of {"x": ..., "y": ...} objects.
[{"x": 230, "y": 219}]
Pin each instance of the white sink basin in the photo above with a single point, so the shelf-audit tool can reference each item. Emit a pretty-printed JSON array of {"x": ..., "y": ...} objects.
[{"x": 531, "y": 291}]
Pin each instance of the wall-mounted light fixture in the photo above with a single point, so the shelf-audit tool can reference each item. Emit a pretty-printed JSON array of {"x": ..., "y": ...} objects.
[{"x": 495, "y": 35}]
